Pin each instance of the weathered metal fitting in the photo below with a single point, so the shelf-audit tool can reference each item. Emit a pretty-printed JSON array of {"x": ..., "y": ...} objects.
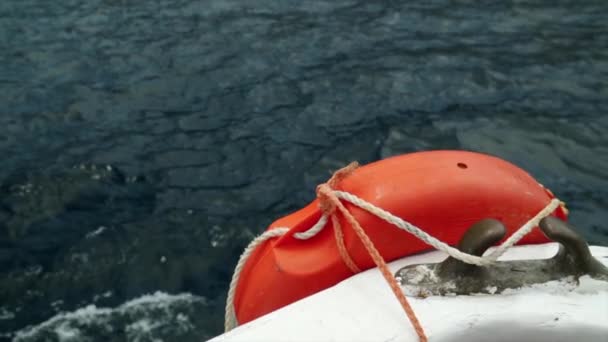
[{"x": 454, "y": 277}]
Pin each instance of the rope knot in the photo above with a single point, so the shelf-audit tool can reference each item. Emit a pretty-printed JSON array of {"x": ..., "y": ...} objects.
[
  {"x": 326, "y": 199},
  {"x": 325, "y": 194}
]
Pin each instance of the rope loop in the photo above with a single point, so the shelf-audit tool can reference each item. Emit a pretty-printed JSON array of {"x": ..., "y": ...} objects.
[{"x": 328, "y": 202}]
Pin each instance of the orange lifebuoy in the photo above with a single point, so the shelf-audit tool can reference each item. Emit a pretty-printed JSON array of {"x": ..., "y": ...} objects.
[{"x": 442, "y": 192}]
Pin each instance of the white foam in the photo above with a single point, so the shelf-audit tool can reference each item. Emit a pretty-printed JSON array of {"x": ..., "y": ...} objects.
[
  {"x": 141, "y": 329},
  {"x": 5, "y": 314},
  {"x": 96, "y": 232},
  {"x": 66, "y": 325},
  {"x": 66, "y": 333}
]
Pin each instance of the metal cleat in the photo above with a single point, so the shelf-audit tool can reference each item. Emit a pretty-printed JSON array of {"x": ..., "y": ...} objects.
[{"x": 453, "y": 276}]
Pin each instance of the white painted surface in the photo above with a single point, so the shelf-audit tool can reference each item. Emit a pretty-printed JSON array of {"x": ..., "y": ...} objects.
[{"x": 362, "y": 308}]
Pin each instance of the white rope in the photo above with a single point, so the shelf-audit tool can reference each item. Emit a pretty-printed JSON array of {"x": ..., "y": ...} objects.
[
  {"x": 312, "y": 231},
  {"x": 230, "y": 320},
  {"x": 451, "y": 251},
  {"x": 230, "y": 317},
  {"x": 524, "y": 230}
]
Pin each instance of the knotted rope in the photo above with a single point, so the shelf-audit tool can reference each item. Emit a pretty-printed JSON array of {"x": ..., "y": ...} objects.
[{"x": 330, "y": 204}]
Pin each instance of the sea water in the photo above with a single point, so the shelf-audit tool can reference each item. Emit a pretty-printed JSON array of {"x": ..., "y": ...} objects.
[{"x": 144, "y": 143}]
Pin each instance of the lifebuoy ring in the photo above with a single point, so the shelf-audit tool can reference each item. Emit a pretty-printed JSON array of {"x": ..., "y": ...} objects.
[{"x": 442, "y": 192}]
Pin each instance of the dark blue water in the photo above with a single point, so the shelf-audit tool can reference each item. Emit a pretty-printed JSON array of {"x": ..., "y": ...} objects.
[{"x": 144, "y": 143}]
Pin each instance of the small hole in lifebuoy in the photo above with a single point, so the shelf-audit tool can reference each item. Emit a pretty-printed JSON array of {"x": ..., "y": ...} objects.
[{"x": 462, "y": 165}]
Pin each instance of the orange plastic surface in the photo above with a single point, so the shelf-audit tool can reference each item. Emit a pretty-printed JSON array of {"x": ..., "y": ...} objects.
[{"x": 442, "y": 192}]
